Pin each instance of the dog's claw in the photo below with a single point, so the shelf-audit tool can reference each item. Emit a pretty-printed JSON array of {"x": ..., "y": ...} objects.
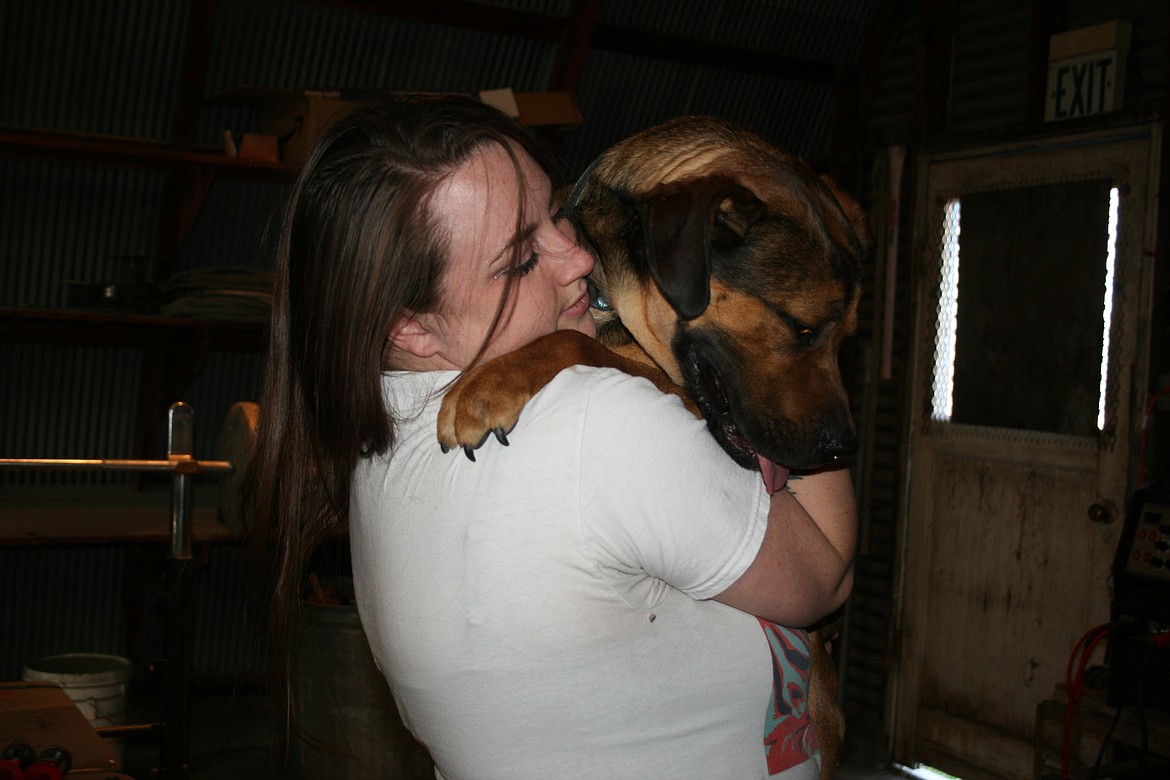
[
  {"x": 444, "y": 448},
  {"x": 469, "y": 451},
  {"x": 501, "y": 437}
]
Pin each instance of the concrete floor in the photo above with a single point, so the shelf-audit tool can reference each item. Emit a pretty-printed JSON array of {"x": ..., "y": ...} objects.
[{"x": 233, "y": 737}]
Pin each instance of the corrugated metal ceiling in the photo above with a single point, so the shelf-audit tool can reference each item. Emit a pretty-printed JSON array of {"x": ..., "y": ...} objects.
[{"x": 114, "y": 67}]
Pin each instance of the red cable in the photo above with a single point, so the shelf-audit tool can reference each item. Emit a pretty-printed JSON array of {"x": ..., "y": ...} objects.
[
  {"x": 1074, "y": 685},
  {"x": 1142, "y": 435}
]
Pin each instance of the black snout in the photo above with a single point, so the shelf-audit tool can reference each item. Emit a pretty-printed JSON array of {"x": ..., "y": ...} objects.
[
  {"x": 827, "y": 441},
  {"x": 835, "y": 444}
]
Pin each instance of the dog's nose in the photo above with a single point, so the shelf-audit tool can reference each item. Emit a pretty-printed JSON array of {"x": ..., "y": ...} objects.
[{"x": 836, "y": 444}]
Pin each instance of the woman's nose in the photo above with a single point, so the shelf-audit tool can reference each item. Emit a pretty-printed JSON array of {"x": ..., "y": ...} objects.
[{"x": 575, "y": 264}]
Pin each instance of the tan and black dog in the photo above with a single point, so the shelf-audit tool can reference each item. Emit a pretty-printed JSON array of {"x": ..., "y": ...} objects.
[{"x": 728, "y": 273}]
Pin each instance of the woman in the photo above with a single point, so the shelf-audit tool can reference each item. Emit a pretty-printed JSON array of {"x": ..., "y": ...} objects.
[{"x": 583, "y": 603}]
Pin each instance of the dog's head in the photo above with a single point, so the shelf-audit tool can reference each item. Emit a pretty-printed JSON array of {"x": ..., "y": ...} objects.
[{"x": 737, "y": 269}]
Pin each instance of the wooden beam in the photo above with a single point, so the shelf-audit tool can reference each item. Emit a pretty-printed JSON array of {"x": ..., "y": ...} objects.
[
  {"x": 462, "y": 14},
  {"x": 854, "y": 92},
  {"x": 1160, "y": 316},
  {"x": 185, "y": 188},
  {"x": 574, "y": 46},
  {"x": 131, "y": 153},
  {"x": 935, "y": 63},
  {"x": 554, "y": 29},
  {"x": 713, "y": 55},
  {"x": 189, "y": 97},
  {"x": 875, "y": 49}
]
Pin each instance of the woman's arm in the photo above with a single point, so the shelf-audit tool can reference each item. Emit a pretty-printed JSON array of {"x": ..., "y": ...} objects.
[{"x": 804, "y": 568}]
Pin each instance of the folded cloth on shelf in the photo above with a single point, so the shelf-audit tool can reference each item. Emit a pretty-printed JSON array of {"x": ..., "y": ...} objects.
[{"x": 219, "y": 293}]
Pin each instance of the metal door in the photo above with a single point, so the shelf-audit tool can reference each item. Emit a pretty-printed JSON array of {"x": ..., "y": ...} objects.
[{"x": 1013, "y": 436}]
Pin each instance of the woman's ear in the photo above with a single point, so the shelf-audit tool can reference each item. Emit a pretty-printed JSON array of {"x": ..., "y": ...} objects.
[{"x": 413, "y": 335}]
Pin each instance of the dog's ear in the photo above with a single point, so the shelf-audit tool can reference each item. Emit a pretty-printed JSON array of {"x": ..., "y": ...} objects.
[
  {"x": 736, "y": 209},
  {"x": 680, "y": 224},
  {"x": 853, "y": 212}
]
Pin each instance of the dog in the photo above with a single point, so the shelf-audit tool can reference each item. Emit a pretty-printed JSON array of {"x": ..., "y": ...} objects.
[{"x": 728, "y": 273}]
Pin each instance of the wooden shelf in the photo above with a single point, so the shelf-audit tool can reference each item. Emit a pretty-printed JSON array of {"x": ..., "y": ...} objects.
[
  {"x": 118, "y": 329},
  {"x": 69, "y": 515},
  {"x": 133, "y": 152}
]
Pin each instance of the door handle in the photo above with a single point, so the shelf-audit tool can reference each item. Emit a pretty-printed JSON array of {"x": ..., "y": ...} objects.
[{"x": 1103, "y": 512}]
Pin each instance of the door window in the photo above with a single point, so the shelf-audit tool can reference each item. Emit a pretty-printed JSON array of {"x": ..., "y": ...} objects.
[{"x": 1022, "y": 341}]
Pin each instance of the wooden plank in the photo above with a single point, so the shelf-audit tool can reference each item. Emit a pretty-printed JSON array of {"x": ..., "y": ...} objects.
[
  {"x": 132, "y": 153},
  {"x": 459, "y": 13},
  {"x": 997, "y": 754},
  {"x": 574, "y": 45},
  {"x": 712, "y": 55},
  {"x": 935, "y": 56},
  {"x": 66, "y": 515},
  {"x": 116, "y": 329}
]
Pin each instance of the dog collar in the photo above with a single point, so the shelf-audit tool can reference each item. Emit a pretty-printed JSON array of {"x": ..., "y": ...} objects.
[
  {"x": 579, "y": 188},
  {"x": 596, "y": 301}
]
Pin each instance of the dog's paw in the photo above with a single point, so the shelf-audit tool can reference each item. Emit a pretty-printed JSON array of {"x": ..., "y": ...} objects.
[{"x": 483, "y": 402}]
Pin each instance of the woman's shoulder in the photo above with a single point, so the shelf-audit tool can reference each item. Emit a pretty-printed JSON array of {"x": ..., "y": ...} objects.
[
  {"x": 608, "y": 397},
  {"x": 605, "y": 397},
  {"x": 604, "y": 384}
]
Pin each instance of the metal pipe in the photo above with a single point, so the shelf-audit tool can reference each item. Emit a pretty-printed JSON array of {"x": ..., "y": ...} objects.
[
  {"x": 177, "y": 672},
  {"x": 115, "y": 464},
  {"x": 127, "y": 730}
]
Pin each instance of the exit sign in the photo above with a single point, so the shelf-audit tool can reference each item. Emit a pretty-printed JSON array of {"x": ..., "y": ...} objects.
[
  {"x": 1082, "y": 86},
  {"x": 1086, "y": 71}
]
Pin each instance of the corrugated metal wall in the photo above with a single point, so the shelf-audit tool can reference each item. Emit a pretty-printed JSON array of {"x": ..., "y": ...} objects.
[
  {"x": 104, "y": 599},
  {"x": 107, "y": 67},
  {"x": 63, "y": 222},
  {"x": 115, "y": 68},
  {"x": 45, "y": 611},
  {"x": 66, "y": 402},
  {"x": 990, "y": 71}
]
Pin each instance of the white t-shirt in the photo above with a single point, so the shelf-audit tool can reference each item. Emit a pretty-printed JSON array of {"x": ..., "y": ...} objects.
[{"x": 543, "y": 611}]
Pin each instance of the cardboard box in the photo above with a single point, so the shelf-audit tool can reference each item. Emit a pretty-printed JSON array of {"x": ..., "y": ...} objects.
[
  {"x": 295, "y": 118},
  {"x": 42, "y": 714},
  {"x": 258, "y": 147},
  {"x": 536, "y": 109}
]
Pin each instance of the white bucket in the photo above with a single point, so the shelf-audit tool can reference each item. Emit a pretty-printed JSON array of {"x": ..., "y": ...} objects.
[{"x": 96, "y": 683}]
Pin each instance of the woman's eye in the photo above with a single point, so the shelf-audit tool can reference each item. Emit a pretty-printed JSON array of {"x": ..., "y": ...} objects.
[
  {"x": 525, "y": 268},
  {"x": 521, "y": 269}
]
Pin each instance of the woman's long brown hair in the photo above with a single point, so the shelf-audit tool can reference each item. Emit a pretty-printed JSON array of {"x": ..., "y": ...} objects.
[{"x": 358, "y": 247}]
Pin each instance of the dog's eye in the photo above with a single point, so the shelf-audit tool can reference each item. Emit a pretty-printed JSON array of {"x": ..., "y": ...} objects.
[{"x": 805, "y": 334}]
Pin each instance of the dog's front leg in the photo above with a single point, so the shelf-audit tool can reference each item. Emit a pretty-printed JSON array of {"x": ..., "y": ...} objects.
[{"x": 487, "y": 399}]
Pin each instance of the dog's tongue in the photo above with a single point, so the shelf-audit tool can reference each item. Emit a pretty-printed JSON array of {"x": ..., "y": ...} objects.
[{"x": 775, "y": 475}]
